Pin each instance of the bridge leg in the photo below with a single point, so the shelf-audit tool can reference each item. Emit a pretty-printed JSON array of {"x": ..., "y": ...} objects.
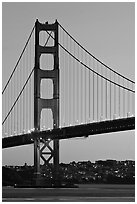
[
  {"x": 40, "y": 103},
  {"x": 56, "y": 163},
  {"x": 37, "y": 174}
]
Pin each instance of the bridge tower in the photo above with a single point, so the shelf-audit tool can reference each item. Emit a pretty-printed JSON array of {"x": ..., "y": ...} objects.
[{"x": 40, "y": 103}]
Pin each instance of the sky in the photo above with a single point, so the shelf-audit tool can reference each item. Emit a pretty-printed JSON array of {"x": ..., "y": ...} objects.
[{"x": 107, "y": 30}]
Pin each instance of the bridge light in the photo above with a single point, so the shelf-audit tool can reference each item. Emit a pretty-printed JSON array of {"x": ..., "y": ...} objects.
[
  {"x": 5, "y": 134},
  {"x": 114, "y": 116},
  {"x": 128, "y": 115},
  {"x": 29, "y": 131},
  {"x": 32, "y": 130},
  {"x": 101, "y": 118}
]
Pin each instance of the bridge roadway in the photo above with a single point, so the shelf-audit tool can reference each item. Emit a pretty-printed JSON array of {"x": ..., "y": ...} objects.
[{"x": 101, "y": 127}]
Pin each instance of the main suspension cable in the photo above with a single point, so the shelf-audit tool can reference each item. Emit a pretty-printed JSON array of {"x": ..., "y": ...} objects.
[
  {"x": 95, "y": 71},
  {"x": 18, "y": 60},
  {"x": 95, "y": 57},
  {"x": 18, "y": 97}
]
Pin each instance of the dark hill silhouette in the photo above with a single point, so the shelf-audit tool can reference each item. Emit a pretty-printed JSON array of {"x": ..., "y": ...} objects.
[{"x": 10, "y": 177}]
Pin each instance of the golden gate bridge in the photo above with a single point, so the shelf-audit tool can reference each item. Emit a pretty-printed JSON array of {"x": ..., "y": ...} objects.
[{"x": 59, "y": 90}]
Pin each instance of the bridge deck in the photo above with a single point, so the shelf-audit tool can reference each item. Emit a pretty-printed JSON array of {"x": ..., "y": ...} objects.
[{"x": 72, "y": 131}]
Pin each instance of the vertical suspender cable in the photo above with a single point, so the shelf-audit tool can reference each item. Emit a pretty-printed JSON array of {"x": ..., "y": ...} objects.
[
  {"x": 78, "y": 88},
  {"x": 16, "y": 119},
  {"x": 23, "y": 69},
  {"x": 114, "y": 95},
  {"x": 14, "y": 89},
  {"x": 73, "y": 88},
  {"x": 22, "y": 101},
  {"x": 93, "y": 92},
  {"x": 32, "y": 97},
  {"x": 123, "y": 98},
  {"x": 106, "y": 94},
  {"x": 68, "y": 81},
  {"x": 9, "y": 129},
  {"x": 89, "y": 86},
  {"x": 20, "y": 106},
  {"x": 19, "y": 103},
  {"x": 11, "y": 95},
  {"x": 110, "y": 95},
  {"x": 101, "y": 93},
  {"x": 27, "y": 92},
  {"x": 26, "y": 117},
  {"x": 17, "y": 131},
  {"x": 63, "y": 86},
  {"x": 81, "y": 86},
  {"x": 3, "y": 113},
  {"x": 8, "y": 123},
  {"x": 119, "y": 94},
  {"x": 61, "y": 81},
  {"x": 10, "y": 105},
  {"x": 97, "y": 92},
  {"x": 132, "y": 100},
  {"x": 128, "y": 100},
  {"x": 85, "y": 87},
  {"x": 30, "y": 89},
  {"x": 15, "y": 86},
  {"x": 71, "y": 84},
  {"x": 14, "y": 110}
]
